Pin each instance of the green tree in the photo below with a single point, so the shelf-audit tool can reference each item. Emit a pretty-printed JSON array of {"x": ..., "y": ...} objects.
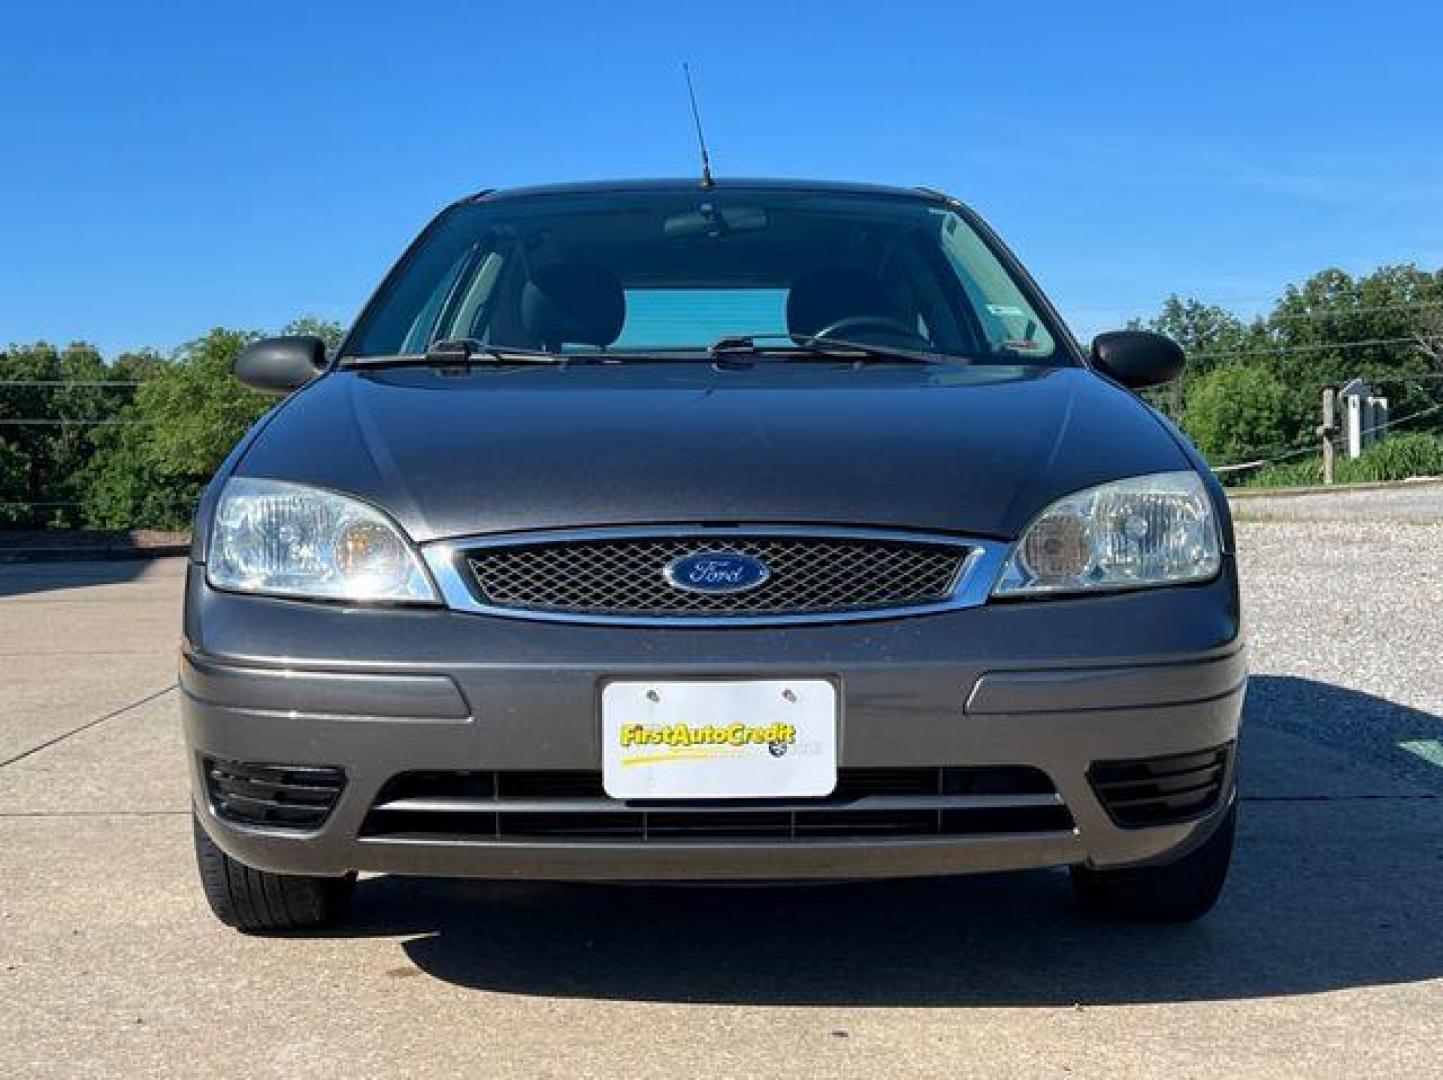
[
  {"x": 1239, "y": 411},
  {"x": 47, "y": 403},
  {"x": 1386, "y": 326},
  {"x": 122, "y": 456},
  {"x": 1207, "y": 332},
  {"x": 327, "y": 330},
  {"x": 1335, "y": 327},
  {"x": 13, "y": 470},
  {"x": 187, "y": 414},
  {"x": 137, "y": 366},
  {"x": 1209, "y": 335}
]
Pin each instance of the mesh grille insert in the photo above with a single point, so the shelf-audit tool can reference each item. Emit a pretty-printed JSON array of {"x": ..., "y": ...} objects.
[{"x": 626, "y": 576}]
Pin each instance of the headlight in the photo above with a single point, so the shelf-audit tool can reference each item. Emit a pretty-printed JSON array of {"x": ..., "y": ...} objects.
[
  {"x": 1148, "y": 530},
  {"x": 289, "y": 540}
]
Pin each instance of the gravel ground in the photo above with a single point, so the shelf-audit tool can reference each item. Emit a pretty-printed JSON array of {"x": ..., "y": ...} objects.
[
  {"x": 1414, "y": 501},
  {"x": 1351, "y": 607},
  {"x": 1351, "y": 600}
]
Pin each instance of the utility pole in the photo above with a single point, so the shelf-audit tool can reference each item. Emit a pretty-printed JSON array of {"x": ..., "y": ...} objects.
[{"x": 1327, "y": 429}]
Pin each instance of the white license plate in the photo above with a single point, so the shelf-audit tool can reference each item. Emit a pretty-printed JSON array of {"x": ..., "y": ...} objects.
[{"x": 719, "y": 739}]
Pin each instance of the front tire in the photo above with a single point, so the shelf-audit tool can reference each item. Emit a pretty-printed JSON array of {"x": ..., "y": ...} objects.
[
  {"x": 261, "y": 902},
  {"x": 1174, "y": 892}
]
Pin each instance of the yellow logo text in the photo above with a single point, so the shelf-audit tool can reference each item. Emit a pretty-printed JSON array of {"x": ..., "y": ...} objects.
[{"x": 685, "y": 735}]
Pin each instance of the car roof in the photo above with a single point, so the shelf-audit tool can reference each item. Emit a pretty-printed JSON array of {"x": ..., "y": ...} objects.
[{"x": 694, "y": 184}]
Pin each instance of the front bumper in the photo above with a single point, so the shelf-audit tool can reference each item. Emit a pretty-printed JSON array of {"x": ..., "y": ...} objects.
[{"x": 1056, "y": 685}]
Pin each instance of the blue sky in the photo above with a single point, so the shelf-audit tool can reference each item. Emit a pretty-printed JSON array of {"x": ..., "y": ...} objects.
[{"x": 165, "y": 168}]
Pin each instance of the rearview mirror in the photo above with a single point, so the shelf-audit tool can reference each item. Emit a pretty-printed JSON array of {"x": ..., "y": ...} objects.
[
  {"x": 1137, "y": 358},
  {"x": 279, "y": 365},
  {"x": 711, "y": 221}
]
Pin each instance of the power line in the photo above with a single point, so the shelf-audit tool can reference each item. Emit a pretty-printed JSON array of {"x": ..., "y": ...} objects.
[
  {"x": 69, "y": 382},
  {"x": 1225, "y": 304},
  {"x": 1364, "y": 310},
  {"x": 1243, "y": 466},
  {"x": 44, "y": 422},
  {"x": 1404, "y": 419},
  {"x": 1159, "y": 301},
  {"x": 1389, "y": 380},
  {"x": 1268, "y": 456},
  {"x": 1321, "y": 347},
  {"x": 1300, "y": 451}
]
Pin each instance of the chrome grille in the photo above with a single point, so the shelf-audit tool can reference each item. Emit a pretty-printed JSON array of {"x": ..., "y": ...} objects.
[{"x": 625, "y": 576}]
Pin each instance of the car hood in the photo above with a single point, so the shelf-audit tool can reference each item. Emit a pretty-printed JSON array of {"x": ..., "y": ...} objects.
[{"x": 976, "y": 450}]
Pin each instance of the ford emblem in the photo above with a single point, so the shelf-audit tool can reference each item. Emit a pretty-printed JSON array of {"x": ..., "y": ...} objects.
[{"x": 716, "y": 572}]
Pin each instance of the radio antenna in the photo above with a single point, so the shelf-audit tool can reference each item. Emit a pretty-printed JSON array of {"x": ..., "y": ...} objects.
[{"x": 706, "y": 180}]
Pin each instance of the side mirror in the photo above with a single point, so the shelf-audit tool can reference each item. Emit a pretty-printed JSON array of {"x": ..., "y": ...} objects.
[
  {"x": 1138, "y": 358},
  {"x": 279, "y": 365}
]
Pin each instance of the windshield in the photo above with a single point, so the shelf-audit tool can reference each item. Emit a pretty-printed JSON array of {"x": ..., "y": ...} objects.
[{"x": 679, "y": 271}]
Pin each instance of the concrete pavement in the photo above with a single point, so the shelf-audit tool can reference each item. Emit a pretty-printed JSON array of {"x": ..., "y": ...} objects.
[{"x": 1324, "y": 956}]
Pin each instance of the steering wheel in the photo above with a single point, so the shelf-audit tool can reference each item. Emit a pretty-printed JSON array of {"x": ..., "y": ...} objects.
[{"x": 844, "y": 328}]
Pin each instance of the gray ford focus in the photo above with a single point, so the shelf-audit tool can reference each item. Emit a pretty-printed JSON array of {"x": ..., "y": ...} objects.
[{"x": 749, "y": 531}]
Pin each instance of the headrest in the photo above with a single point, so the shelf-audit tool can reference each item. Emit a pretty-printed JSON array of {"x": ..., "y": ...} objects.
[
  {"x": 819, "y": 298},
  {"x": 573, "y": 304}
]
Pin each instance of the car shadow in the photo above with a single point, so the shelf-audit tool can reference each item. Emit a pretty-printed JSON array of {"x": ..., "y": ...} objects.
[
  {"x": 1328, "y": 892},
  {"x": 30, "y": 578}
]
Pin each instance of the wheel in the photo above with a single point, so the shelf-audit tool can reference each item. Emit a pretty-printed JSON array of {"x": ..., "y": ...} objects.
[
  {"x": 260, "y": 902},
  {"x": 1175, "y": 892}
]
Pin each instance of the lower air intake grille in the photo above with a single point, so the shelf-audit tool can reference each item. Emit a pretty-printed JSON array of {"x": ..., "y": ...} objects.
[
  {"x": 1160, "y": 790},
  {"x": 537, "y": 807},
  {"x": 626, "y": 576},
  {"x": 276, "y": 796}
]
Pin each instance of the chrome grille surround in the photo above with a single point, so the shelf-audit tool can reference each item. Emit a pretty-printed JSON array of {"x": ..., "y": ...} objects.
[{"x": 616, "y": 575}]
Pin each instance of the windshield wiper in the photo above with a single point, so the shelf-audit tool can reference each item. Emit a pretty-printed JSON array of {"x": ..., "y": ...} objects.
[
  {"x": 460, "y": 352},
  {"x": 463, "y": 352},
  {"x": 751, "y": 344}
]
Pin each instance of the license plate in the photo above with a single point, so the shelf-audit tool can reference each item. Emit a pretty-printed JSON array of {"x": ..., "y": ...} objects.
[{"x": 722, "y": 739}]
